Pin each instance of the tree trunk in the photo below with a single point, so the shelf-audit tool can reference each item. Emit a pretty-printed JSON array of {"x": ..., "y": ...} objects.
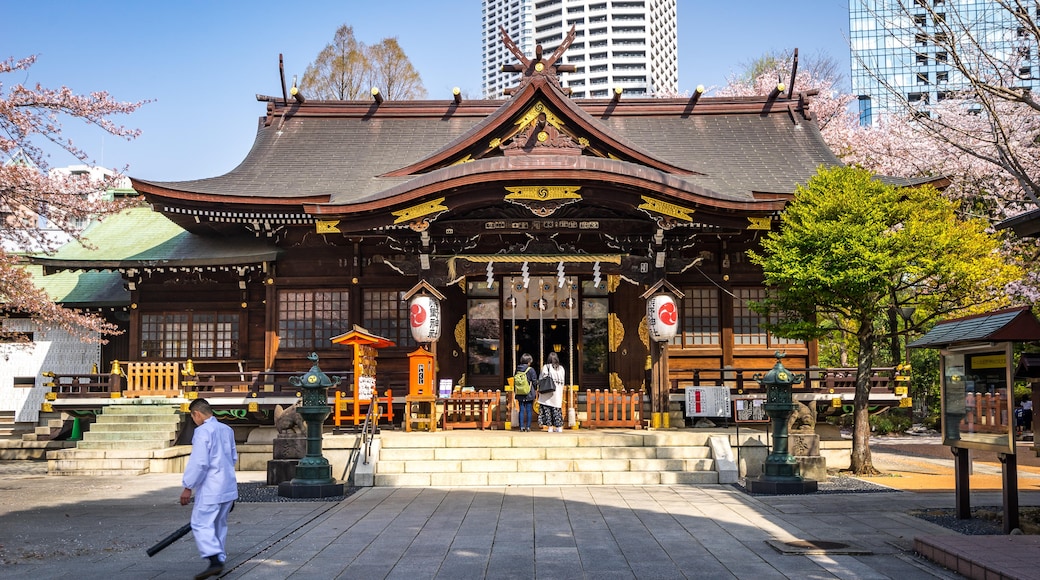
[{"x": 861, "y": 463}]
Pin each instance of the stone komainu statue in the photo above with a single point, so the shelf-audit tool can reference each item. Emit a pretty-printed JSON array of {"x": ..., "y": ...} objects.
[
  {"x": 802, "y": 420},
  {"x": 287, "y": 421}
]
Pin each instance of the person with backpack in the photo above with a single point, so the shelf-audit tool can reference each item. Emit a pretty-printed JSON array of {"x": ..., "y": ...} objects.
[{"x": 524, "y": 381}]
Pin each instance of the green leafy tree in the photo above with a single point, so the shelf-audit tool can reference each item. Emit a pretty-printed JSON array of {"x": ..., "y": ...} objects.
[
  {"x": 346, "y": 70},
  {"x": 850, "y": 247}
]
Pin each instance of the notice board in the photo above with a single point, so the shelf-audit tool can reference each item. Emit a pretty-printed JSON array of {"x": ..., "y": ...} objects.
[{"x": 708, "y": 402}]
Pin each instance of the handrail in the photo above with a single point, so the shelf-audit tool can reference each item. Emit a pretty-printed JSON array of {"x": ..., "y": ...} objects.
[
  {"x": 363, "y": 440},
  {"x": 368, "y": 429}
]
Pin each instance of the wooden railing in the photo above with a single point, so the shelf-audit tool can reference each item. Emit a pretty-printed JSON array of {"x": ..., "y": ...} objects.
[
  {"x": 986, "y": 413},
  {"x": 816, "y": 379},
  {"x": 472, "y": 410},
  {"x": 355, "y": 410},
  {"x": 614, "y": 409},
  {"x": 206, "y": 384}
]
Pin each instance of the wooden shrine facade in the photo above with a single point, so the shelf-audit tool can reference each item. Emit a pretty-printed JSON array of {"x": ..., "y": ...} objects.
[{"x": 541, "y": 219}]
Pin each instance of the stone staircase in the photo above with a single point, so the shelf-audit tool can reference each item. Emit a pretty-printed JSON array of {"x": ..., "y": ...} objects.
[
  {"x": 10, "y": 429},
  {"x": 494, "y": 458},
  {"x": 124, "y": 440}
]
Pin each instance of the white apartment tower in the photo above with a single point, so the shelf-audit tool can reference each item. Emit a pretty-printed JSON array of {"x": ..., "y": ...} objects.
[{"x": 631, "y": 44}]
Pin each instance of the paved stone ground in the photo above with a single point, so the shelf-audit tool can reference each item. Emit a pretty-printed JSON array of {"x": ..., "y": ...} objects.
[{"x": 99, "y": 527}]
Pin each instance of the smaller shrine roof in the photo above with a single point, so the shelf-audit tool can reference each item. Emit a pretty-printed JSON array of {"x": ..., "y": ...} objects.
[
  {"x": 140, "y": 237},
  {"x": 1009, "y": 325},
  {"x": 80, "y": 289},
  {"x": 362, "y": 336}
]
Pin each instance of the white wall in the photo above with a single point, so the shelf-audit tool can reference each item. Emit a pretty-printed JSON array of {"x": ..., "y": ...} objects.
[{"x": 51, "y": 350}]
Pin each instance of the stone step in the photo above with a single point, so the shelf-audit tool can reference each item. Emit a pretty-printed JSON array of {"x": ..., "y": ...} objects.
[
  {"x": 543, "y": 465},
  {"x": 131, "y": 427},
  {"x": 79, "y": 466},
  {"x": 494, "y": 458},
  {"x": 123, "y": 444},
  {"x": 96, "y": 472},
  {"x": 120, "y": 418},
  {"x": 583, "y": 438},
  {"x": 151, "y": 435},
  {"x": 483, "y": 479},
  {"x": 131, "y": 409},
  {"x": 530, "y": 452}
]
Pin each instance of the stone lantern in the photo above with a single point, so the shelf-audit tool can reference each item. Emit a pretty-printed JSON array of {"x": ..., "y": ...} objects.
[
  {"x": 780, "y": 473},
  {"x": 313, "y": 473}
]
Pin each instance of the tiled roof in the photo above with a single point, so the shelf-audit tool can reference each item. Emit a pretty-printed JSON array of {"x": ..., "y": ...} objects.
[
  {"x": 1010, "y": 325},
  {"x": 82, "y": 288},
  {"x": 341, "y": 155},
  {"x": 140, "y": 237}
]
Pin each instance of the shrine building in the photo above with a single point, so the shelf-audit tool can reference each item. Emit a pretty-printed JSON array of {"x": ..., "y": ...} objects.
[{"x": 541, "y": 220}]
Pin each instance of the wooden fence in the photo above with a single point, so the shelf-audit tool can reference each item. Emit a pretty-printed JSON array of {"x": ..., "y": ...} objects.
[{"x": 614, "y": 409}]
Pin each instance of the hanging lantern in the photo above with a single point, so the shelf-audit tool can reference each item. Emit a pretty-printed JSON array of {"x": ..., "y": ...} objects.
[
  {"x": 425, "y": 318},
  {"x": 662, "y": 317}
]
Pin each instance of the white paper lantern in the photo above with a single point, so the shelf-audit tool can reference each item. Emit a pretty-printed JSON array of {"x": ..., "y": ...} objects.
[
  {"x": 662, "y": 317},
  {"x": 425, "y": 318}
]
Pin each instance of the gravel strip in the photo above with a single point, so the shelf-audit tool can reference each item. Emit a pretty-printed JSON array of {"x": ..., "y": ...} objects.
[
  {"x": 834, "y": 484},
  {"x": 263, "y": 493}
]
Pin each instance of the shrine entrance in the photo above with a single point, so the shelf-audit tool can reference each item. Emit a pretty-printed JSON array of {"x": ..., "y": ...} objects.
[{"x": 540, "y": 316}]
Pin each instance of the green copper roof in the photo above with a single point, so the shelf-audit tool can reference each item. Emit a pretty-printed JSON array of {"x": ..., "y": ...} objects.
[
  {"x": 140, "y": 237},
  {"x": 82, "y": 288}
]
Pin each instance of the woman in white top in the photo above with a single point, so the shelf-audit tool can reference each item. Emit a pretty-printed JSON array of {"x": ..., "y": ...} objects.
[{"x": 550, "y": 403}]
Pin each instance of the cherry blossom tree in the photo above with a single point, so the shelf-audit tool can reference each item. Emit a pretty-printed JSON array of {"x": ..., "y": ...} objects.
[
  {"x": 991, "y": 116},
  {"x": 31, "y": 120}
]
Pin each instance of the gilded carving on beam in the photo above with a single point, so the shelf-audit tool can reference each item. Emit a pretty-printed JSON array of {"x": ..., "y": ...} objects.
[
  {"x": 419, "y": 217},
  {"x": 613, "y": 281},
  {"x": 460, "y": 334},
  {"x": 666, "y": 214},
  {"x": 537, "y": 110},
  {"x": 615, "y": 332},
  {"x": 465, "y": 159},
  {"x": 327, "y": 226},
  {"x": 616, "y": 384},
  {"x": 760, "y": 223},
  {"x": 543, "y": 200},
  {"x": 422, "y": 210},
  {"x": 644, "y": 333}
]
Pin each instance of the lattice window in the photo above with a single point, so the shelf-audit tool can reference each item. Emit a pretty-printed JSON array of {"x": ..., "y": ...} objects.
[
  {"x": 307, "y": 319},
  {"x": 214, "y": 336},
  {"x": 182, "y": 335},
  {"x": 701, "y": 324},
  {"x": 747, "y": 324},
  {"x": 386, "y": 315}
]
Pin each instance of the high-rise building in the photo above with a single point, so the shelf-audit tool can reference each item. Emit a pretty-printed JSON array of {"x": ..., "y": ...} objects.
[
  {"x": 631, "y": 44},
  {"x": 900, "y": 54}
]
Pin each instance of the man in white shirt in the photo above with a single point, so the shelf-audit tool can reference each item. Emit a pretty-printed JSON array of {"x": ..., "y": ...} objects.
[{"x": 211, "y": 474}]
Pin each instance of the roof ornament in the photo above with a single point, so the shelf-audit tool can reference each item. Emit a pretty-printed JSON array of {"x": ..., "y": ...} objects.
[{"x": 539, "y": 67}]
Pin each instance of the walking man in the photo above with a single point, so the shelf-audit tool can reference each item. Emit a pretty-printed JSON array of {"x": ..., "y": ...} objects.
[{"x": 211, "y": 473}]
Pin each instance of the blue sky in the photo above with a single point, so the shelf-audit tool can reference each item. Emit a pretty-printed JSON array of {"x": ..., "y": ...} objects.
[{"x": 202, "y": 63}]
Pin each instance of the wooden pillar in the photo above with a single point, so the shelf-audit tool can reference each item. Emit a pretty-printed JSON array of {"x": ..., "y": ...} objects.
[
  {"x": 270, "y": 319},
  {"x": 659, "y": 384},
  {"x": 1009, "y": 471},
  {"x": 962, "y": 485}
]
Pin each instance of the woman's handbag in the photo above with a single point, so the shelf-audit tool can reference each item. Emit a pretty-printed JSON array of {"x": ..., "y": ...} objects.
[{"x": 546, "y": 384}]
